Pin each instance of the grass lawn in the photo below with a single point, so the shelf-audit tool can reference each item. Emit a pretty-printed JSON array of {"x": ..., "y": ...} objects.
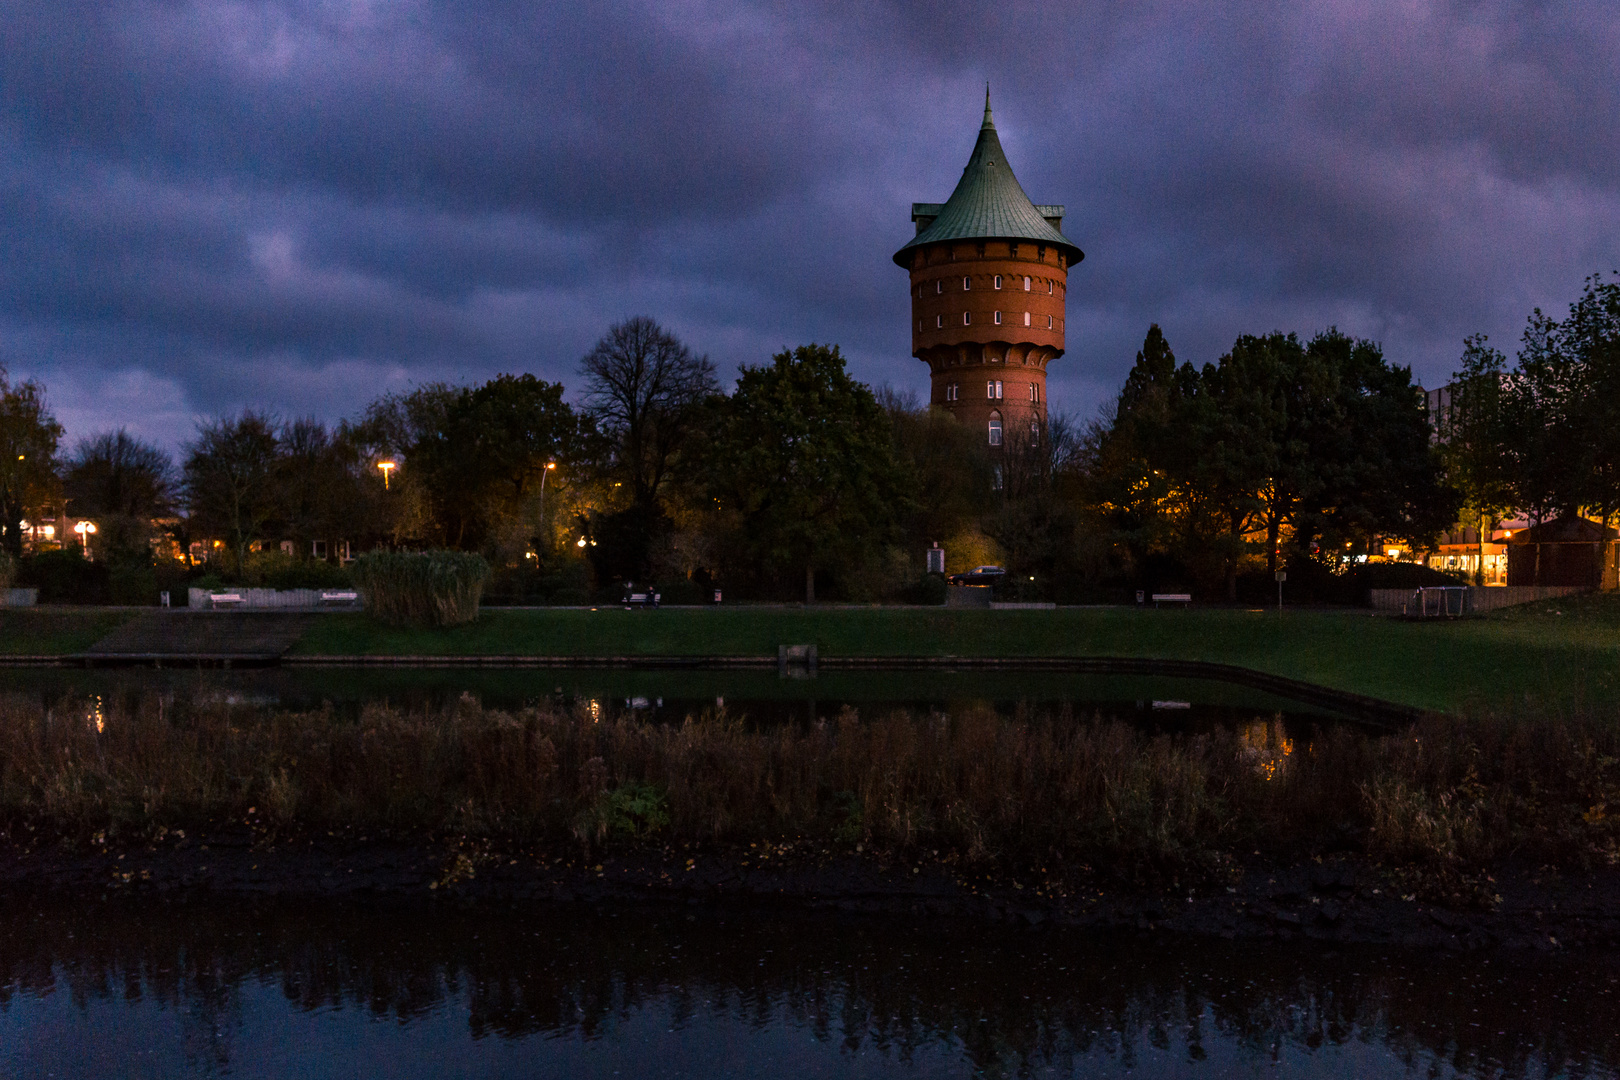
[
  {"x": 56, "y": 631},
  {"x": 1565, "y": 651}
]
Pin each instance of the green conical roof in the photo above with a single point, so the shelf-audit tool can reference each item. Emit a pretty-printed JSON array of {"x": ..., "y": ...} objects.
[{"x": 988, "y": 204}]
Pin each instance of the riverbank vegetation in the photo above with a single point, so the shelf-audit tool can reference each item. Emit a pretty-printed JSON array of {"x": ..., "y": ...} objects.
[{"x": 1445, "y": 799}]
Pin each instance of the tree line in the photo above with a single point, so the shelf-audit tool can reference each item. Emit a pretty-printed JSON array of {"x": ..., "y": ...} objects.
[{"x": 803, "y": 482}]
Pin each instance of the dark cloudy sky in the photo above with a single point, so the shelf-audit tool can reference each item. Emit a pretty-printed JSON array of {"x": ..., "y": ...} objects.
[{"x": 298, "y": 204}]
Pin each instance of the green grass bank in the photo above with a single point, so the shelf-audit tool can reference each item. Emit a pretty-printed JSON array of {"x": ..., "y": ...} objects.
[
  {"x": 57, "y": 631},
  {"x": 1564, "y": 653}
]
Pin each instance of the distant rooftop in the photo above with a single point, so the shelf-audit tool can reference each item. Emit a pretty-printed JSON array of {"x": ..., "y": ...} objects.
[{"x": 988, "y": 204}]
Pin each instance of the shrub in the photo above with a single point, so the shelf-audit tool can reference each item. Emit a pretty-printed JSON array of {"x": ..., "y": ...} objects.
[
  {"x": 64, "y": 576},
  {"x": 8, "y": 570},
  {"x": 430, "y": 588}
]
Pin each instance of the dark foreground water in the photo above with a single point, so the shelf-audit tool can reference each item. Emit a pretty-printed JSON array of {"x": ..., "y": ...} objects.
[{"x": 545, "y": 991}]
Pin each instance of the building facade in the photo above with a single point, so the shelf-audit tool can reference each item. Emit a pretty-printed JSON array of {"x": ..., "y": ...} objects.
[{"x": 989, "y": 277}]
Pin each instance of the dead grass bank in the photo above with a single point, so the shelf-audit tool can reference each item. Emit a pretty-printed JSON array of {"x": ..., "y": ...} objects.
[{"x": 1448, "y": 795}]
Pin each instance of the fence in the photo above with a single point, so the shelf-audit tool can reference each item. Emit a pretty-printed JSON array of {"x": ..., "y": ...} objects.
[
  {"x": 198, "y": 599},
  {"x": 1480, "y": 598}
]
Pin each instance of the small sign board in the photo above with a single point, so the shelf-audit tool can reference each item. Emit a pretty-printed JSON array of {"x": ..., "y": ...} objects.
[
  {"x": 1282, "y": 575},
  {"x": 936, "y": 560}
]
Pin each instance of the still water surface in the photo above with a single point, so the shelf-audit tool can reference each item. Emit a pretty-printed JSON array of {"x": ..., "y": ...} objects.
[
  {"x": 561, "y": 991},
  {"x": 671, "y": 695}
]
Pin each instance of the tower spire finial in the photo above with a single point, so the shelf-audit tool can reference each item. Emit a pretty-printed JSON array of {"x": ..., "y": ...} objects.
[{"x": 989, "y": 123}]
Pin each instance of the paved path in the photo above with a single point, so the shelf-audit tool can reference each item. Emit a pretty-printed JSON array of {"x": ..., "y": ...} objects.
[{"x": 201, "y": 637}]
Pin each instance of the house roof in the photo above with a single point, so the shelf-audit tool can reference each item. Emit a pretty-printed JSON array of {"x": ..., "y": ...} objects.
[
  {"x": 1566, "y": 530},
  {"x": 988, "y": 204}
]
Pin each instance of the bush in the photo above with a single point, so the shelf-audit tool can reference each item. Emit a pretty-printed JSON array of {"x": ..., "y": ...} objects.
[
  {"x": 928, "y": 589},
  {"x": 8, "y": 570},
  {"x": 64, "y": 576},
  {"x": 567, "y": 582},
  {"x": 132, "y": 582},
  {"x": 278, "y": 570},
  {"x": 431, "y": 588}
]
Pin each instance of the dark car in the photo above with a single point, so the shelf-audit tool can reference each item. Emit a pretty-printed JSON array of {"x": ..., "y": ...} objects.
[{"x": 980, "y": 575}]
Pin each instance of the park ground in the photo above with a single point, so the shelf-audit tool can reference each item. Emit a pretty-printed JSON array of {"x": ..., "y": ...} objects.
[{"x": 1563, "y": 653}]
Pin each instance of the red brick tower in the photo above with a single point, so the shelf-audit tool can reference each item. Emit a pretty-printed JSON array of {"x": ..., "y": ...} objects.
[{"x": 988, "y": 275}]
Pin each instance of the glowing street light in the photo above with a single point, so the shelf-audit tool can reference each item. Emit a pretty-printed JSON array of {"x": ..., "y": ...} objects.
[
  {"x": 85, "y": 529},
  {"x": 387, "y": 468},
  {"x": 550, "y": 465}
]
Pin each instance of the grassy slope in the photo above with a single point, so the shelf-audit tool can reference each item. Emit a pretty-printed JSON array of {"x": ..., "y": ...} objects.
[
  {"x": 1504, "y": 657},
  {"x": 56, "y": 631}
]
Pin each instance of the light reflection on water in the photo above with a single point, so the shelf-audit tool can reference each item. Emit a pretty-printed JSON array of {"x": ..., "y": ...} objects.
[{"x": 545, "y": 990}]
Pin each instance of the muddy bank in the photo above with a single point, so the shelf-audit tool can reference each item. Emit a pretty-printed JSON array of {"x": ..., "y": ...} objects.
[{"x": 1343, "y": 900}]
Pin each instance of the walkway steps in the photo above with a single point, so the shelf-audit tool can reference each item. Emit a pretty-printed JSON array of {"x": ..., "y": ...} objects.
[{"x": 200, "y": 638}]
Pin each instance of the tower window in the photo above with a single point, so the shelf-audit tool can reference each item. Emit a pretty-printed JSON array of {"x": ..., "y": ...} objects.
[
  {"x": 998, "y": 281},
  {"x": 1026, "y": 318},
  {"x": 1031, "y": 391},
  {"x": 1026, "y": 283},
  {"x": 995, "y": 429},
  {"x": 1049, "y": 322},
  {"x": 992, "y": 389},
  {"x": 939, "y": 286},
  {"x": 967, "y": 284},
  {"x": 939, "y": 322},
  {"x": 967, "y": 318},
  {"x": 1048, "y": 288},
  {"x": 998, "y": 318},
  {"x": 952, "y": 391}
]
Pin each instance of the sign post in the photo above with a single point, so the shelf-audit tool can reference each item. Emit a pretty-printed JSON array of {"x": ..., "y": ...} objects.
[{"x": 1282, "y": 576}]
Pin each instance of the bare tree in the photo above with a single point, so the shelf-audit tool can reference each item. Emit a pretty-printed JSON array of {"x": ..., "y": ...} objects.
[
  {"x": 643, "y": 388},
  {"x": 123, "y": 484}
]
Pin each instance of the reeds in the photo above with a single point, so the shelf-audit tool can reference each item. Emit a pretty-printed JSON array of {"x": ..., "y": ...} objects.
[
  {"x": 1451, "y": 795},
  {"x": 429, "y": 588}
]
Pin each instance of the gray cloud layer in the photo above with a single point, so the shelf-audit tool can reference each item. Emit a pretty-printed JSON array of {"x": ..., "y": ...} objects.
[{"x": 297, "y": 205}]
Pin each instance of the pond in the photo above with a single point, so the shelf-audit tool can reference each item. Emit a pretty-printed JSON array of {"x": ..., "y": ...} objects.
[
  {"x": 283, "y": 990},
  {"x": 670, "y": 695}
]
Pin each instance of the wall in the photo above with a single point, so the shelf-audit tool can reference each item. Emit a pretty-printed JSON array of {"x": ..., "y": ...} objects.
[
  {"x": 1480, "y": 598},
  {"x": 197, "y": 599}
]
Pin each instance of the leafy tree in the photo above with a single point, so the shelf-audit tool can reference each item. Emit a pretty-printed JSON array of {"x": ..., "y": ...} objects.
[
  {"x": 231, "y": 479},
  {"x": 950, "y": 466},
  {"x": 804, "y": 458},
  {"x": 29, "y": 436},
  {"x": 122, "y": 484},
  {"x": 1473, "y": 438}
]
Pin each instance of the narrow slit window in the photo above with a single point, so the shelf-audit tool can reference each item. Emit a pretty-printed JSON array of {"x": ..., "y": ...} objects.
[
  {"x": 1048, "y": 288},
  {"x": 967, "y": 284},
  {"x": 990, "y": 390},
  {"x": 998, "y": 318},
  {"x": 998, "y": 281},
  {"x": 1049, "y": 322},
  {"x": 1026, "y": 283},
  {"x": 1026, "y": 318},
  {"x": 967, "y": 318},
  {"x": 939, "y": 286},
  {"x": 939, "y": 322}
]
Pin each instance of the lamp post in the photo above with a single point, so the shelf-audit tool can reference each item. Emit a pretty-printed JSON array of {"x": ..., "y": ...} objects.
[
  {"x": 545, "y": 472},
  {"x": 387, "y": 468},
  {"x": 85, "y": 529}
]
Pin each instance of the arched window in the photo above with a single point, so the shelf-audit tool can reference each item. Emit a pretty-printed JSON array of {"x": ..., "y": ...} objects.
[
  {"x": 967, "y": 283},
  {"x": 998, "y": 318},
  {"x": 1026, "y": 318},
  {"x": 1049, "y": 322},
  {"x": 1026, "y": 283},
  {"x": 998, "y": 281},
  {"x": 967, "y": 318},
  {"x": 995, "y": 429},
  {"x": 1049, "y": 288},
  {"x": 939, "y": 286},
  {"x": 939, "y": 322}
]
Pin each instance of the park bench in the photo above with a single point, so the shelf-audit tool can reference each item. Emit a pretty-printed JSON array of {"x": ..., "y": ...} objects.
[
  {"x": 1172, "y": 598},
  {"x": 228, "y": 599},
  {"x": 340, "y": 597},
  {"x": 634, "y": 597}
]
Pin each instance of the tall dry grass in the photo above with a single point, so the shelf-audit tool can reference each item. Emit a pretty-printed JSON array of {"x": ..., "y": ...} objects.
[{"x": 1446, "y": 793}]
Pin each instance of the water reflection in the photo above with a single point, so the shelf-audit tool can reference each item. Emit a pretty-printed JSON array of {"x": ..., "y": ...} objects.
[
  {"x": 554, "y": 991},
  {"x": 672, "y": 695}
]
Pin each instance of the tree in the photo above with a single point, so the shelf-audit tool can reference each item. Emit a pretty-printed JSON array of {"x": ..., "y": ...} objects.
[
  {"x": 804, "y": 457},
  {"x": 644, "y": 390},
  {"x": 29, "y": 436},
  {"x": 1472, "y": 439},
  {"x": 231, "y": 478},
  {"x": 122, "y": 484},
  {"x": 478, "y": 452}
]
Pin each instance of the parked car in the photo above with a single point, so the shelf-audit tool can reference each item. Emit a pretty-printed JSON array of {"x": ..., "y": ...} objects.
[
  {"x": 639, "y": 597},
  {"x": 980, "y": 575}
]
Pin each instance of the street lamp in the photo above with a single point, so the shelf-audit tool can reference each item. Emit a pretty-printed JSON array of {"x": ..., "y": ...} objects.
[
  {"x": 550, "y": 465},
  {"x": 387, "y": 467},
  {"x": 85, "y": 529}
]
